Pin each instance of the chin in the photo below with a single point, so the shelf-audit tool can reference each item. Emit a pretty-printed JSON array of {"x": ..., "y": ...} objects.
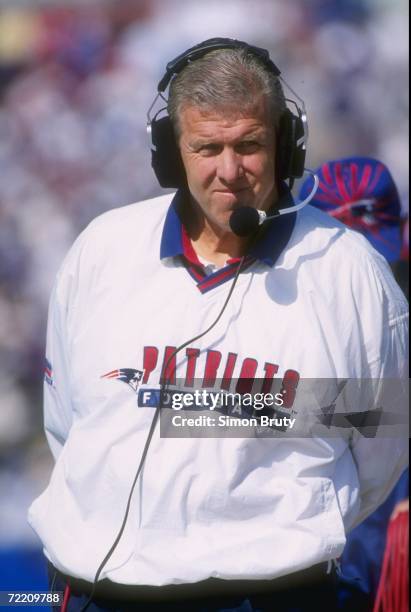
[{"x": 222, "y": 222}]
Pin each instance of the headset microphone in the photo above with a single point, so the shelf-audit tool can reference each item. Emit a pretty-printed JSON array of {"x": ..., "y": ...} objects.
[{"x": 246, "y": 220}]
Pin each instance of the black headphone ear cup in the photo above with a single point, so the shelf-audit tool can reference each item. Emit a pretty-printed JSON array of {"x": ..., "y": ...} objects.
[
  {"x": 298, "y": 161},
  {"x": 165, "y": 154},
  {"x": 290, "y": 154}
]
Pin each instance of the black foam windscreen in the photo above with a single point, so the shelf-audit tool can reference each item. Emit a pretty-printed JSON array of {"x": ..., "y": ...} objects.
[{"x": 244, "y": 221}]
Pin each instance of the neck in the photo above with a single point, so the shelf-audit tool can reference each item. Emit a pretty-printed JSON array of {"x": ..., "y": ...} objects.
[
  {"x": 218, "y": 249},
  {"x": 212, "y": 242}
]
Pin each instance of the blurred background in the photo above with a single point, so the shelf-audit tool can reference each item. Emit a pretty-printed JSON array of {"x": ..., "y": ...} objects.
[{"x": 76, "y": 80}]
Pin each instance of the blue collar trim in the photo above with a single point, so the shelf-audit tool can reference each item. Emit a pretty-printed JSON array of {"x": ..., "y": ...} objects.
[{"x": 172, "y": 237}]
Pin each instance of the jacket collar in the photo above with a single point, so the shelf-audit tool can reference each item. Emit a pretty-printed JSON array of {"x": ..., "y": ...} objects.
[{"x": 268, "y": 243}]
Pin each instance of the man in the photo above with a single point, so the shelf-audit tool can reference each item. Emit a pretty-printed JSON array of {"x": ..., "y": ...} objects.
[{"x": 144, "y": 298}]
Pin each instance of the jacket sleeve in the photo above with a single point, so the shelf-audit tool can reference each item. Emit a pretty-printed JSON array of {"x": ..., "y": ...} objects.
[
  {"x": 57, "y": 404},
  {"x": 381, "y": 452},
  {"x": 58, "y": 408}
]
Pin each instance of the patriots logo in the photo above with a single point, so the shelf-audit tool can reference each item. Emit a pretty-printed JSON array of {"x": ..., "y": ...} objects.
[
  {"x": 127, "y": 375},
  {"x": 48, "y": 373}
]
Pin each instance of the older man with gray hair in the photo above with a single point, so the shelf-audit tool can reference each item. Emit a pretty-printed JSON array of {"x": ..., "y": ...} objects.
[{"x": 227, "y": 287}]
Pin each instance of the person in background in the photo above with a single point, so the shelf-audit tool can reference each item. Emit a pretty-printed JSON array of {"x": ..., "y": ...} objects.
[{"x": 361, "y": 193}]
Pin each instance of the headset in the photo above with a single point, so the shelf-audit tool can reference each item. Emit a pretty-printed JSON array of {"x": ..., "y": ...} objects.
[{"x": 165, "y": 155}]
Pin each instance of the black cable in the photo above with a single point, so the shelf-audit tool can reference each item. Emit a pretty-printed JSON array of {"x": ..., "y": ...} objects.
[
  {"x": 151, "y": 432},
  {"x": 53, "y": 582}
]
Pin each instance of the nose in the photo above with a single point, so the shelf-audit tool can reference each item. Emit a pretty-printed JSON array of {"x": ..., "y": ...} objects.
[{"x": 229, "y": 166}]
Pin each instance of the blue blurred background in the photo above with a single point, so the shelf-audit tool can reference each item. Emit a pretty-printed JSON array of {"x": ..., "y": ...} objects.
[{"x": 76, "y": 79}]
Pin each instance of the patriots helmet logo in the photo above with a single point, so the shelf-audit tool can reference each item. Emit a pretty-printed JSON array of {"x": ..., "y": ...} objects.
[{"x": 128, "y": 375}]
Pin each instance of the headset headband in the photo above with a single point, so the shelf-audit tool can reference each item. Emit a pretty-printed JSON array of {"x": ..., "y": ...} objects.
[{"x": 212, "y": 44}]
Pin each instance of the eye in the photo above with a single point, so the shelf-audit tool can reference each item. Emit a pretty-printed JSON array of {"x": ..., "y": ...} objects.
[
  {"x": 209, "y": 149},
  {"x": 247, "y": 147}
]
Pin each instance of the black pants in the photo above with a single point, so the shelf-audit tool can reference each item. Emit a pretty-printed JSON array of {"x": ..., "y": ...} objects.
[{"x": 304, "y": 596}]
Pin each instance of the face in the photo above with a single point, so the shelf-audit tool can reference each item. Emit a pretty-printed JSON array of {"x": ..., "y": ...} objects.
[{"x": 229, "y": 161}]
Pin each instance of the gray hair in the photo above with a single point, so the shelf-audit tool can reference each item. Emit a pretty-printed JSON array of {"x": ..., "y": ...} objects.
[{"x": 225, "y": 80}]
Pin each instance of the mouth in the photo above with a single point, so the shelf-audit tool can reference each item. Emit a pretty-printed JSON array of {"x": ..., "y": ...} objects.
[
  {"x": 234, "y": 197},
  {"x": 232, "y": 192}
]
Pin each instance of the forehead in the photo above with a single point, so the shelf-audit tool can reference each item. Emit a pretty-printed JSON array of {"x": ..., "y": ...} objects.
[{"x": 207, "y": 123}]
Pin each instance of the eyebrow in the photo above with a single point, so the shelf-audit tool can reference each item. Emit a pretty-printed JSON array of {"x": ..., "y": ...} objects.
[{"x": 257, "y": 133}]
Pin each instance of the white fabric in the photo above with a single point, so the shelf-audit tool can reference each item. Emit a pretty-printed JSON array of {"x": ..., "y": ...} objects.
[
  {"x": 227, "y": 507},
  {"x": 209, "y": 266}
]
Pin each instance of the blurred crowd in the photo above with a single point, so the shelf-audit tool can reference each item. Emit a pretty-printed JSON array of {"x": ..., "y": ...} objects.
[{"x": 76, "y": 80}]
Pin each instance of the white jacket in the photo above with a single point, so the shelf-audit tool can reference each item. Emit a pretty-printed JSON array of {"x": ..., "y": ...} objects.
[{"x": 232, "y": 508}]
